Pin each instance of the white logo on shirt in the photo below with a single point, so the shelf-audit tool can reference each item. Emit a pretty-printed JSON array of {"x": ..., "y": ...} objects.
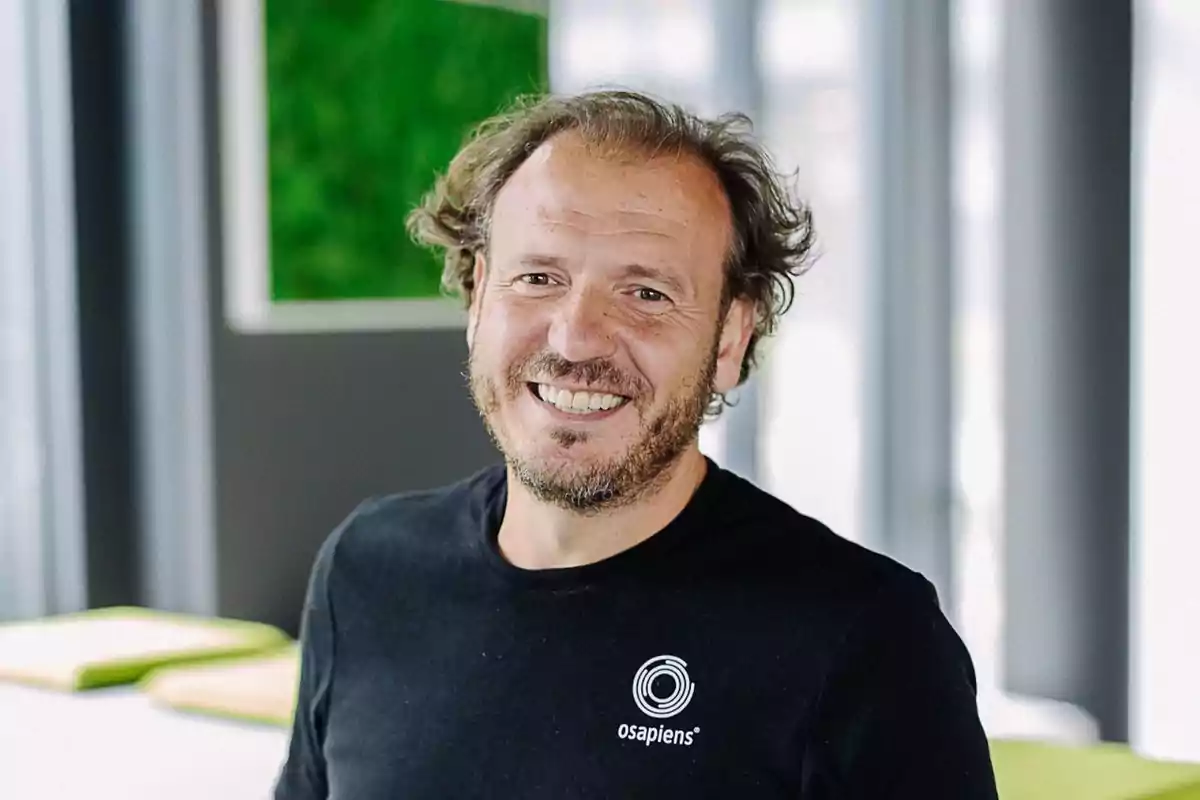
[{"x": 674, "y": 701}]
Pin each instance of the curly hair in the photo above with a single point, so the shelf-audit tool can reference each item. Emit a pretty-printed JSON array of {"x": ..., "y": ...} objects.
[{"x": 773, "y": 235}]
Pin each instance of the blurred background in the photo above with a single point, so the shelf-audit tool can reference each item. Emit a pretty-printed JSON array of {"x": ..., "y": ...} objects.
[{"x": 215, "y": 337}]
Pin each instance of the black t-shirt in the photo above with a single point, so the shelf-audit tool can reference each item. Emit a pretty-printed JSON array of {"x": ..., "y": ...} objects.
[{"x": 744, "y": 651}]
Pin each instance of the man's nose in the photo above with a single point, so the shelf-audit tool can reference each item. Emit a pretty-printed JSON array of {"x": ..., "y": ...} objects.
[{"x": 582, "y": 328}]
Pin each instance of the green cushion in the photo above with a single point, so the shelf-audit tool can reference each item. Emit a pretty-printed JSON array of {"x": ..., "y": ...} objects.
[
  {"x": 118, "y": 645},
  {"x": 1037, "y": 771}
]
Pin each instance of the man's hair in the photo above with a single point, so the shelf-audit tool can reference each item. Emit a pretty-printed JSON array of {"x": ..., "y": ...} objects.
[{"x": 772, "y": 231}]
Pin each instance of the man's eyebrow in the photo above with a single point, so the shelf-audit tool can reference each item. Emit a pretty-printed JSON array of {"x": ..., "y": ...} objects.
[
  {"x": 653, "y": 274},
  {"x": 537, "y": 260}
]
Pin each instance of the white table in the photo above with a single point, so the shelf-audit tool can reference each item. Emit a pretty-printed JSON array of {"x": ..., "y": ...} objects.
[{"x": 114, "y": 743}]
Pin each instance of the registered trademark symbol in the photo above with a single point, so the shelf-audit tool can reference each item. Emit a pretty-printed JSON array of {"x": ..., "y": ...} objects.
[{"x": 697, "y": 730}]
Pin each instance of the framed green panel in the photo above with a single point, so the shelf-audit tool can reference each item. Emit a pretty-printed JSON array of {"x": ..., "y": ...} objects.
[{"x": 335, "y": 117}]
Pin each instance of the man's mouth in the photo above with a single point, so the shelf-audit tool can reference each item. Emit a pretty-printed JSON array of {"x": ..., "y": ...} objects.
[{"x": 577, "y": 402}]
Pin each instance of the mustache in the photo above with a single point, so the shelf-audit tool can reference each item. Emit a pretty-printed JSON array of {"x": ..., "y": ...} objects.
[{"x": 593, "y": 372}]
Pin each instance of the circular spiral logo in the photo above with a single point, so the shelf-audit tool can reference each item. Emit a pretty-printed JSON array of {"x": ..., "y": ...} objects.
[{"x": 676, "y": 700}]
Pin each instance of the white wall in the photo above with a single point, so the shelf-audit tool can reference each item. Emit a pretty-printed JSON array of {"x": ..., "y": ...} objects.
[{"x": 1166, "y": 399}]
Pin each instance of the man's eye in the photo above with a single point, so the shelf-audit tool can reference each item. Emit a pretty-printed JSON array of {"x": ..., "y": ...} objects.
[
  {"x": 650, "y": 295},
  {"x": 536, "y": 279}
]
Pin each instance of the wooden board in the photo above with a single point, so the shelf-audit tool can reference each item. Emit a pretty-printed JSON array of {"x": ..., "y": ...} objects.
[
  {"x": 258, "y": 689},
  {"x": 106, "y": 647}
]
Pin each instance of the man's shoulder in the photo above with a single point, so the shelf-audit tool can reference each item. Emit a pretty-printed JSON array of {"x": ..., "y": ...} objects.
[
  {"x": 773, "y": 526},
  {"x": 471, "y": 493},
  {"x": 782, "y": 547},
  {"x": 843, "y": 591},
  {"x": 384, "y": 526}
]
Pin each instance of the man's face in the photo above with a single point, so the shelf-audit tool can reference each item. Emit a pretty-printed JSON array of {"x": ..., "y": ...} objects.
[{"x": 596, "y": 330}]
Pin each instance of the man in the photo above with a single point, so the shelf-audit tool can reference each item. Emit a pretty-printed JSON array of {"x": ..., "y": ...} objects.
[{"x": 609, "y": 614}]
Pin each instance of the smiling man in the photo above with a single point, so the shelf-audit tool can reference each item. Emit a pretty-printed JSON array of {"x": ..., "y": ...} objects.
[{"x": 608, "y": 613}]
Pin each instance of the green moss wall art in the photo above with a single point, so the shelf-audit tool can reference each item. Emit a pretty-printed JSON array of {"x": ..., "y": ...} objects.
[{"x": 359, "y": 104}]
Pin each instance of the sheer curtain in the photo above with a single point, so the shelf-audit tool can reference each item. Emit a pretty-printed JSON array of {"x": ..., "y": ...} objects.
[
  {"x": 41, "y": 526},
  {"x": 20, "y": 457}
]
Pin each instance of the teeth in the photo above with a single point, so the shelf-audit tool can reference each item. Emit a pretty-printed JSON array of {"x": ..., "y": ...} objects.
[{"x": 578, "y": 402}]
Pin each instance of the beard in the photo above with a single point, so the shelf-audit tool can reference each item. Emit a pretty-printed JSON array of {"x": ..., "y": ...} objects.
[{"x": 590, "y": 487}]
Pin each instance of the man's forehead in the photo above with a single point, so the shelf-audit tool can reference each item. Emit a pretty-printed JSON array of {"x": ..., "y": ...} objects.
[
  {"x": 614, "y": 219},
  {"x": 566, "y": 183}
]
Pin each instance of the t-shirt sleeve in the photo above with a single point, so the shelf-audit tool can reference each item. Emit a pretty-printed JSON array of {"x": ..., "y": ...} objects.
[
  {"x": 303, "y": 774},
  {"x": 897, "y": 718}
]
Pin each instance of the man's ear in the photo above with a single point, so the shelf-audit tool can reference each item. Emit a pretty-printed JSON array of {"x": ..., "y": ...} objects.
[
  {"x": 478, "y": 273},
  {"x": 736, "y": 330}
]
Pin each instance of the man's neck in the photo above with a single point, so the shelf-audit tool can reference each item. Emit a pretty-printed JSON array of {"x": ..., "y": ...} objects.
[{"x": 537, "y": 535}]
